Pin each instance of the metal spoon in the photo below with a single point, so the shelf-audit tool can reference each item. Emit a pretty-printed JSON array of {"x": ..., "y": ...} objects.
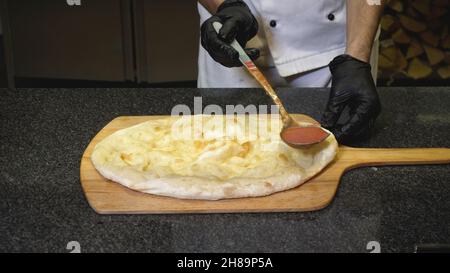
[{"x": 293, "y": 133}]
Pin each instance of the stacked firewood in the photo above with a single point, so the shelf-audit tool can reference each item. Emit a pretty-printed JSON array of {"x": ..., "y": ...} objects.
[{"x": 415, "y": 40}]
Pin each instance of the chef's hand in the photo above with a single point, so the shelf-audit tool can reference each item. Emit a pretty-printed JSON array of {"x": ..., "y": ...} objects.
[
  {"x": 238, "y": 23},
  {"x": 352, "y": 86}
]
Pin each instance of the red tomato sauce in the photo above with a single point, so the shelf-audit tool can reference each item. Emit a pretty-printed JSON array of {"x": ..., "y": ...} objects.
[{"x": 303, "y": 135}]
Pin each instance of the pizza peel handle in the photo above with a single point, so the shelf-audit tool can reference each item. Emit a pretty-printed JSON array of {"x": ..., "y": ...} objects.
[{"x": 361, "y": 157}]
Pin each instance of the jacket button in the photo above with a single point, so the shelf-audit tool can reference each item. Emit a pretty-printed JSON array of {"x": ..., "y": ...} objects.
[
  {"x": 273, "y": 23},
  {"x": 331, "y": 17}
]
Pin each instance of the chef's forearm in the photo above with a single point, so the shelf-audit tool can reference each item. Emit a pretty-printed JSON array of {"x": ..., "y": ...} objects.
[
  {"x": 363, "y": 19},
  {"x": 211, "y": 5}
]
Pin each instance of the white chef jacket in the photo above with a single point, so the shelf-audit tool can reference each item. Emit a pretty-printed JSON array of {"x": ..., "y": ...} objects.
[{"x": 295, "y": 37}]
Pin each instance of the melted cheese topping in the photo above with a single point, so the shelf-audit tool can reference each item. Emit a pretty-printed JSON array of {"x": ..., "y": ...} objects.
[{"x": 204, "y": 146}]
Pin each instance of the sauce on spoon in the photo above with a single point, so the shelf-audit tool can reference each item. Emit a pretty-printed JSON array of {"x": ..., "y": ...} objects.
[{"x": 303, "y": 136}]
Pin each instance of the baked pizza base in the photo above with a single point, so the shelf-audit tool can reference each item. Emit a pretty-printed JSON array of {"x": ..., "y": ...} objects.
[{"x": 208, "y": 164}]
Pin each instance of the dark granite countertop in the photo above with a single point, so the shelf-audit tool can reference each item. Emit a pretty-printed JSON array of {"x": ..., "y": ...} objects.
[{"x": 43, "y": 133}]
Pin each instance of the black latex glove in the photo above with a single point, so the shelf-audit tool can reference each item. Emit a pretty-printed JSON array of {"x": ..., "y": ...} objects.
[
  {"x": 238, "y": 23},
  {"x": 352, "y": 86}
]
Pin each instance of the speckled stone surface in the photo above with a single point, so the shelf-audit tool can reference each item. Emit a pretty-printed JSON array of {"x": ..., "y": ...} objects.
[{"x": 43, "y": 133}]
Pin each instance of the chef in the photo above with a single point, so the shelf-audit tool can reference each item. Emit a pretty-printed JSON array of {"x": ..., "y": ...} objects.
[{"x": 298, "y": 43}]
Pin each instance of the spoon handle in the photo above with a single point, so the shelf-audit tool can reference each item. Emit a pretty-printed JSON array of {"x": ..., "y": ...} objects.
[{"x": 259, "y": 76}]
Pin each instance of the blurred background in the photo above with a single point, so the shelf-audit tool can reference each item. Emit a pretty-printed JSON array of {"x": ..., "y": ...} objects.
[
  {"x": 143, "y": 43},
  {"x": 415, "y": 43}
]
